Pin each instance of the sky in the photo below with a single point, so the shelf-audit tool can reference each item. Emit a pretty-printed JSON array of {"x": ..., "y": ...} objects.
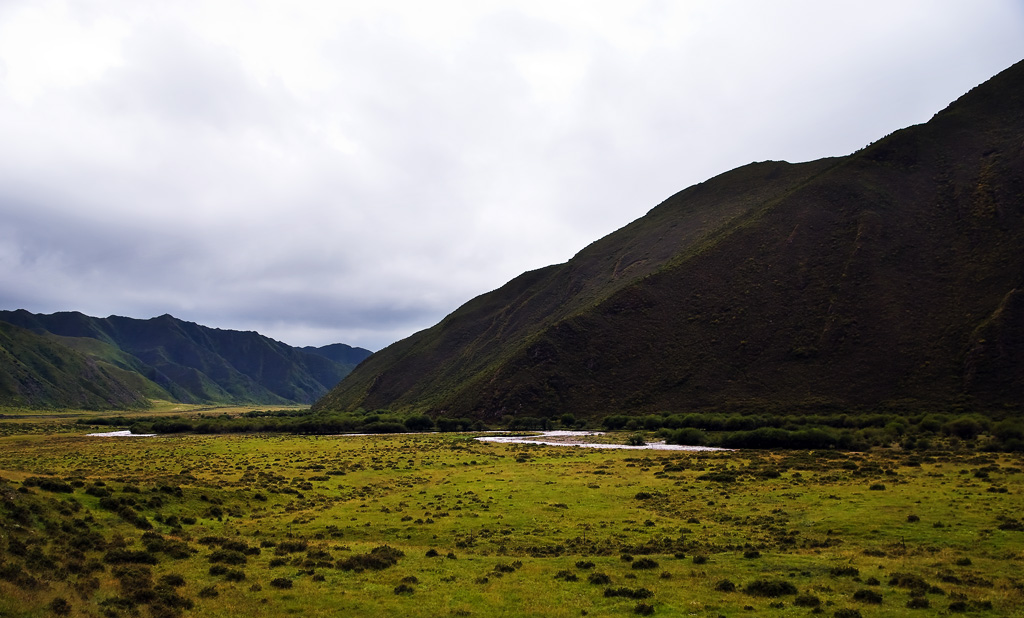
[{"x": 352, "y": 172}]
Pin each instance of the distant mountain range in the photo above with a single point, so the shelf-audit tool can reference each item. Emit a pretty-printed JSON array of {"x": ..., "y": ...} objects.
[
  {"x": 69, "y": 359},
  {"x": 892, "y": 278}
]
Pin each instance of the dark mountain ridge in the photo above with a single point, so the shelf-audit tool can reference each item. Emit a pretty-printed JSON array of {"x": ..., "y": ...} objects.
[
  {"x": 891, "y": 277},
  {"x": 192, "y": 363}
]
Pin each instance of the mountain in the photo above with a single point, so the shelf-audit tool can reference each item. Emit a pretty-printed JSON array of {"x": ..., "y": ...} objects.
[
  {"x": 340, "y": 353},
  {"x": 169, "y": 358},
  {"x": 891, "y": 277},
  {"x": 37, "y": 372}
]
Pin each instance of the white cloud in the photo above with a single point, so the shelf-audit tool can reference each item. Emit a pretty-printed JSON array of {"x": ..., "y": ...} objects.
[{"x": 316, "y": 170}]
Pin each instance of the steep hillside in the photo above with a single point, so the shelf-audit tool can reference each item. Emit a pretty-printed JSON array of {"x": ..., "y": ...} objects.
[
  {"x": 889, "y": 277},
  {"x": 37, "y": 372},
  {"x": 192, "y": 363}
]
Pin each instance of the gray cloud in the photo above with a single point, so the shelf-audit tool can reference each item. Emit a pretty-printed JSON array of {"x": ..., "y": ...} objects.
[{"x": 354, "y": 171}]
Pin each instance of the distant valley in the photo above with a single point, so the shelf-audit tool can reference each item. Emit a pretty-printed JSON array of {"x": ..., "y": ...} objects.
[{"x": 72, "y": 360}]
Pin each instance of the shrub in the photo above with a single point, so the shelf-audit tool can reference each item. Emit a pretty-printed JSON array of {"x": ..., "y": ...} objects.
[
  {"x": 290, "y": 547},
  {"x": 228, "y": 556},
  {"x": 645, "y": 563},
  {"x": 60, "y": 606},
  {"x": 128, "y": 556},
  {"x": 629, "y": 593},
  {"x": 378, "y": 559},
  {"x": 918, "y": 603},
  {"x": 847, "y": 571},
  {"x": 635, "y": 440},
  {"x": 865, "y": 595},
  {"x": 725, "y": 585},
  {"x": 643, "y": 609},
  {"x": 419, "y": 422},
  {"x": 769, "y": 588},
  {"x": 599, "y": 578},
  {"x": 47, "y": 484},
  {"x": 404, "y": 589},
  {"x": 172, "y": 580},
  {"x": 847, "y": 613},
  {"x": 568, "y": 576},
  {"x": 806, "y": 600},
  {"x": 700, "y": 559},
  {"x": 208, "y": 592},
  {"x": 751, "y": 553},
  {"x": 687, "y": 436},
  {"x": 584, "y": 564},
  {"x": 282, "y": 583},
  {"x": 911, "y": 582}
]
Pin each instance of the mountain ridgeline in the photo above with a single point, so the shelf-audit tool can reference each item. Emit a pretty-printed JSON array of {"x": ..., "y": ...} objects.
[
  {"x": 892, "y": 278},
  {"x": 69, "y": 359}
]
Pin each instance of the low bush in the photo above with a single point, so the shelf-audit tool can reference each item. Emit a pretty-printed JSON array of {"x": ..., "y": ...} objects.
[
  {"x": 629, "y": 593},
  {"x": 769, "y": 588},
  {"x": 377, "y": 559}
]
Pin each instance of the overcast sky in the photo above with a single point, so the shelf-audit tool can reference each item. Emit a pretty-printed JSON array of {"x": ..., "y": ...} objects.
[{"x": 354, "y": 171}]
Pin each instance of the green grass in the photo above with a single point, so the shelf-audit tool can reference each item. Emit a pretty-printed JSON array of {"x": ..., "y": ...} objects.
[{"x": 513, "y": 517}]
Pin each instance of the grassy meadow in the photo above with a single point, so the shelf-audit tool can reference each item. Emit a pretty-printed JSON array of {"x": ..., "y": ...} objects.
[{"x": 444, "y": 525}]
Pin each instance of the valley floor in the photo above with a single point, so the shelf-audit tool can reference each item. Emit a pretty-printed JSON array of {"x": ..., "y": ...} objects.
[{"x": 444, "y": 525}]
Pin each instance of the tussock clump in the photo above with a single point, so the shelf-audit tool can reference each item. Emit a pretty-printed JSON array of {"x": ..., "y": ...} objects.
[
  {"x": 47, "y": 484},
  {"x": 290, "y": 547},
  {"x": 172, "y": 580},
  {"x": 806, "y": 600},
  {"x": 228, "y": 556},
  {"x": 379, "y": 558},
  {"x": 568, "y": 576},
  {"x": 769, "y": 588},
  {"x": 60, "y": 606},
  {"x": 599, "y": 579},
  {"x": 724, "y": 585},
  {"x": 584, "y": 564},
  {"x": 281, "y": 583},
  {"x": 846, "y": 571},
  {"x": 643, "y": 609},
  {"x": 908, "y": 581},
  {"x": 644, "y": 563},
  {"x": 865, "y": 595},
  {"x": 629, "y": 593}
]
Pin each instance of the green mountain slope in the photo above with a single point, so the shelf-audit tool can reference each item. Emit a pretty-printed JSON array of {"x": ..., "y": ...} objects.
[
  {"x": 887, "y": 277},
  {"x": 38, "y": 372},
  {"x": 184, "y": 361}
]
